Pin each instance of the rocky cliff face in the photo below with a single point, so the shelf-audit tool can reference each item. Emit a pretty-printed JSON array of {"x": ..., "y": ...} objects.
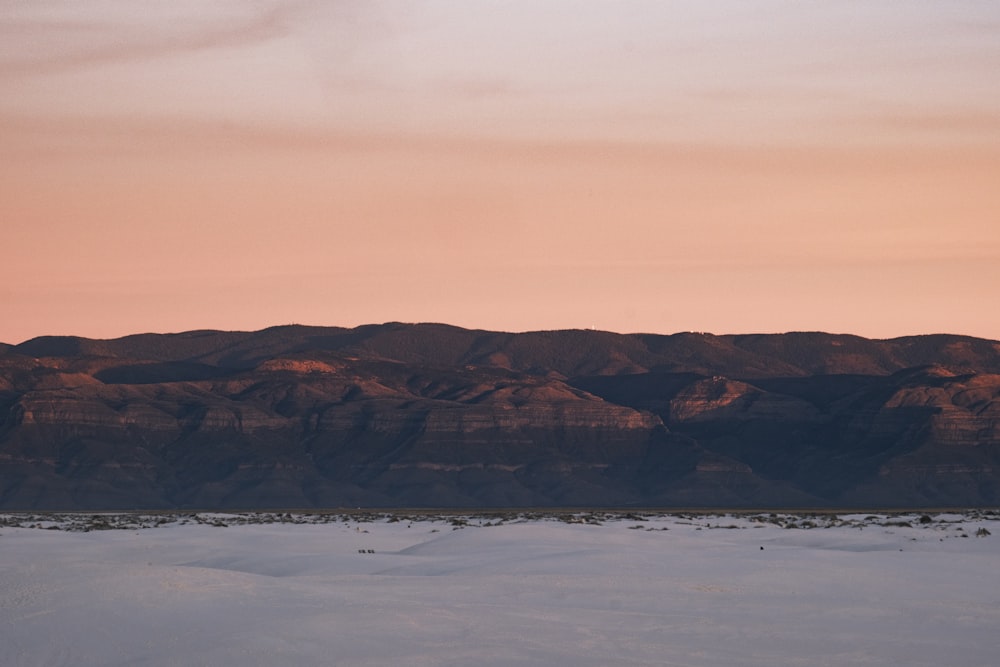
[{"x": 429, "y": 415}]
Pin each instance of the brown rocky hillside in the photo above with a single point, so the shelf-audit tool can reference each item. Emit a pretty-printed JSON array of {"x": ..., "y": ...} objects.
[{"x": 433, "y": 415}]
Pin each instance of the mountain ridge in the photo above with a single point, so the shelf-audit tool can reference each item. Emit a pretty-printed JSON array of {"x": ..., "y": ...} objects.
[
  {"x": 436, "y": 415},
  {"x": 883, "y": 355}
]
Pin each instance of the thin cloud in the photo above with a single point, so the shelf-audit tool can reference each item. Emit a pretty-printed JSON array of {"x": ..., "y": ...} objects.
[
  {"x": 976, "y": 123},
  {"x": 112, "y": 43}
]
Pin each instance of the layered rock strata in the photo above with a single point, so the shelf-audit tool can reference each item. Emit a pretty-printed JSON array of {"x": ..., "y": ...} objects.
[{"x": 430, "y": 415}]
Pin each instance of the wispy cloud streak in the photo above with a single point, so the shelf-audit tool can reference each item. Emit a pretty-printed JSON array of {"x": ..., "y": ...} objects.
[{"x": 67, "y": 44}]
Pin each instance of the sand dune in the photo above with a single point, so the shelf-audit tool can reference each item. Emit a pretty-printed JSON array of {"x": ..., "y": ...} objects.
[{"x": 664, "y": 590}]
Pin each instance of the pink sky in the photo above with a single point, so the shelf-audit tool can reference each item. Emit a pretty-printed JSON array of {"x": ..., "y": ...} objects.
[{"x": 721, "y": 166}]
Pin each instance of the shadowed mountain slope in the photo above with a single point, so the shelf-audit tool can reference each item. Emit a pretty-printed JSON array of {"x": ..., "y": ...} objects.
[{"x": 435, "y": 415}]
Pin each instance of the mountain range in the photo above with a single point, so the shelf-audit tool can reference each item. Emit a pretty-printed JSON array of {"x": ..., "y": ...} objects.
[{"x": 431, "y": 415}]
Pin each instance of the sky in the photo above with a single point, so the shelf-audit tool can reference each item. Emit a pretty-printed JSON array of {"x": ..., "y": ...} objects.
[{"x": 721, "y": 165}]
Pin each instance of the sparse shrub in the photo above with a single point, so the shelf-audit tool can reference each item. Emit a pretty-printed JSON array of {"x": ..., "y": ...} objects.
[
  {"x": 925, "y": 519},
  {"x": 982, "y": 532}
]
